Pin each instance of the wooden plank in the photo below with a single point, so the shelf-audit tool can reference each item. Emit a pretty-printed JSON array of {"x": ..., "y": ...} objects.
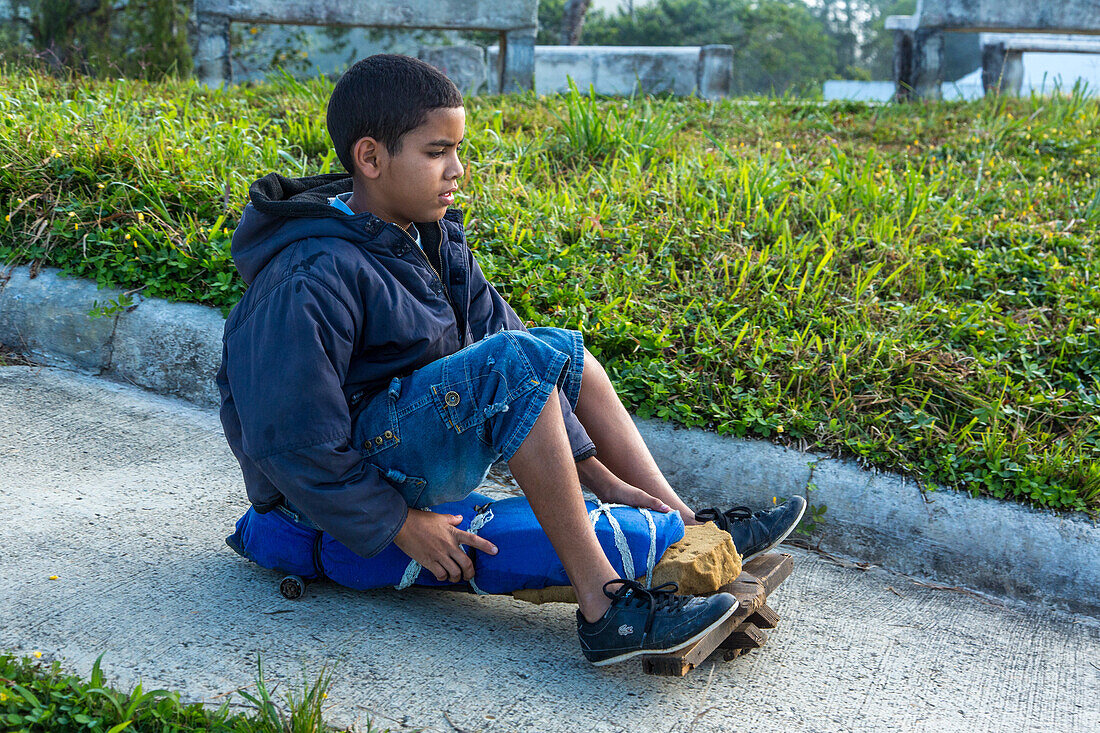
[
  {"x": 771, "y": 569},
  {"x": 750, "y": 593},
  {"x": 762, "y": 575},
  {"x": 746, "y": 636},
  {"x": 678, "y": 664},
  {"x": 764, "y": 618},
  {"x": 750, "y": 596}
]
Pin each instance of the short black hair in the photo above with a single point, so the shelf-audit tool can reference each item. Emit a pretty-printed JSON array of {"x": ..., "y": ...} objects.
[{"x": 385, "y": 96}]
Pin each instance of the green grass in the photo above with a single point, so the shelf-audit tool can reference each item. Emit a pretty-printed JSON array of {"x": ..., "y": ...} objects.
[
  {"x": 36, "y": 696},
  {"x": 912, "y": 286}
]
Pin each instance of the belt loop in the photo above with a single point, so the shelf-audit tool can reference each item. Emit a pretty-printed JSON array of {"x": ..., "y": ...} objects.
[{"x": 395, "y": 388}]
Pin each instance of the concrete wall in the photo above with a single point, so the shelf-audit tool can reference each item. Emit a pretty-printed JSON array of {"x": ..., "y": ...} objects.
[
  {"x": 451, "y": 14},
  {"x": 622, "y": 70},
  {"x": 1057, "y": 16},
  {"x": 918, "y": 38},
  {"x": 515, "y": 21}
]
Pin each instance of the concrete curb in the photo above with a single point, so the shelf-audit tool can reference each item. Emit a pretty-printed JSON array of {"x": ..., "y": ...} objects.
[{"x": 984, "y": 544}]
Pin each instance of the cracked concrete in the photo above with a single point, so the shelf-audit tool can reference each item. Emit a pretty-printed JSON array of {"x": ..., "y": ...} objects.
[{"x": 126, "y": 496}]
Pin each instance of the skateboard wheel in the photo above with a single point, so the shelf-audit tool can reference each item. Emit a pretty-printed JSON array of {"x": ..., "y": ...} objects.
[{"x": 292, "y": 587}]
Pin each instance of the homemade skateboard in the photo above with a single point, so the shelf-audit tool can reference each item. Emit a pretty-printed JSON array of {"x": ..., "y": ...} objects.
[{"x": 741, "y": 632}]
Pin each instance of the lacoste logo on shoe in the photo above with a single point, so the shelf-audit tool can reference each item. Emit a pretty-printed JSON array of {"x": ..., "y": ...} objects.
[{"x": 626, "y": 630}]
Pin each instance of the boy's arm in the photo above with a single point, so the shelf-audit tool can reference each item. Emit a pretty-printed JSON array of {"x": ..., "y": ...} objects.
[
  {"x": 490, "y": 313},
  {"x": 285, "y": 372}
]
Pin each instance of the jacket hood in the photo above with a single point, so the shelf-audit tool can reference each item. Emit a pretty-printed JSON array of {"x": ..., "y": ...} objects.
[{"x": 283, "y": 210}]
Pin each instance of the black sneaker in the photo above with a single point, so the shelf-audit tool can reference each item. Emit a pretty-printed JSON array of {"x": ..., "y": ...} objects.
[
  {"x": 650, "y": 621},
  {"x": 759, "y": 531}
]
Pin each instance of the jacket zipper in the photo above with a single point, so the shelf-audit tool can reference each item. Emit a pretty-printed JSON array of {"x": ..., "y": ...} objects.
[{"x": 439, "y": 254}]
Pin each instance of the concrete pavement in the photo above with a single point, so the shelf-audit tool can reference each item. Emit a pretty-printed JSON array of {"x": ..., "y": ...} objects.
[{"x": 127, "y": 496}]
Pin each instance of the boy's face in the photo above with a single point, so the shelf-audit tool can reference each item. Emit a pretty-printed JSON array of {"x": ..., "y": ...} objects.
[{"x": 418, "y": 183}]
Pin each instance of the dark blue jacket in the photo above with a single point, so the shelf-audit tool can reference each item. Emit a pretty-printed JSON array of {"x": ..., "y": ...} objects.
[{"x": 336, "y": 307}]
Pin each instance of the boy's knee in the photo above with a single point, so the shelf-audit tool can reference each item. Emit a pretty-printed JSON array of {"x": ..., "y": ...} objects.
[{"x": 517, "y": 344}]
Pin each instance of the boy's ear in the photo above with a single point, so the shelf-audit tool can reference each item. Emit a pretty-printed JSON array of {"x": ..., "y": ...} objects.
[{"x": 368, "y": 154}]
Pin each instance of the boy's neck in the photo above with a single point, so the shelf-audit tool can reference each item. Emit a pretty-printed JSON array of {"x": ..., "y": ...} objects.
[{"x": 360, "y": 202}]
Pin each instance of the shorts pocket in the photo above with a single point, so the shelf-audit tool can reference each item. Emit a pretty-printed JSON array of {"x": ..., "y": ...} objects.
[
  {"x": 376, "y": 428},
  {"x": 482, "y": 381},
  {"x": 411, "y": 488}
]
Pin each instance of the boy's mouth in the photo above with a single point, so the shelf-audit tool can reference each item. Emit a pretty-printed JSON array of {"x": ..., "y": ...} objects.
[{"x": 448, "y": 197}]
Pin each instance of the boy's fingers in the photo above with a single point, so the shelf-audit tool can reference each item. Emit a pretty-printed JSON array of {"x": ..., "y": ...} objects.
[
  {"x": 452, "y": 572},
  {"x": 465, "y": 564},
  {"x": 455, "y": 519},
  {"x": 647, "y": 500},
  {"x": 478, "y": 543}
]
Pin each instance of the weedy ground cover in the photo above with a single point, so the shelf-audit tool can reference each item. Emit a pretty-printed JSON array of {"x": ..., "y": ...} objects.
[
  {"x": 36, "y": 696},
  {"x": 912, "y": 286}
]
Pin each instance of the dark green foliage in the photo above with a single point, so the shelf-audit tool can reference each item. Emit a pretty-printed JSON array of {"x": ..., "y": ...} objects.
[
  {"x": 39, "y": 698},
  {"x": 143, "y": 39},
  {"x": 912, "y": 286}
]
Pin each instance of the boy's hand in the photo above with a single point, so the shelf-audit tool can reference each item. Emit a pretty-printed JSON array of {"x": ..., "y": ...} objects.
[
  {"x": 610, "y": 489},
  {"x": 631, "y": 496},
  {"x": 435, "y": 541}
]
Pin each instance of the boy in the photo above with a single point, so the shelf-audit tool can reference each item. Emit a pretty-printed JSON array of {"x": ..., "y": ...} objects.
[{"x": 370, "y": 371}]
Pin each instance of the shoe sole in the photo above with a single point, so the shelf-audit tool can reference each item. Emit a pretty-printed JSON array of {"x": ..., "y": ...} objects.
[
  {"x": 678, "y": 647},
  {"x": 782, "y": 537}
]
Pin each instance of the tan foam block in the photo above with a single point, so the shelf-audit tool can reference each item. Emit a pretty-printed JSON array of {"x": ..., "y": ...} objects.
[
  {"x": 550, "y": 594},
  {"x": 702, "y": 562}
]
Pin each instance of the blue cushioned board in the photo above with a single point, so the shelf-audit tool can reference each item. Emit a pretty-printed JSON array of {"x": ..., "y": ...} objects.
[{"x": 525, "y": 558}]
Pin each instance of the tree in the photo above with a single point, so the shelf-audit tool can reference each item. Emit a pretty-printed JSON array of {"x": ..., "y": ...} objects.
[
  {"x": 781, "y": 48},
  {"x": 573, "y": 20}
]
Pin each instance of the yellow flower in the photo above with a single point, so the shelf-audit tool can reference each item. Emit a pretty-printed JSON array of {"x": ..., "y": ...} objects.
[
  {"x": 127, "y": 236},
  {"x": 7, "y": 217},
  {"x": 775, "y": 500},
  {"x": 253, "y": 30},
  {"x": 53, "y": 577},
  {"x": 76, "y": 225},
  {"x": 71, "y": 214},
  {"x": 779, "y": 429},
  {"x": 99, "y": 185},
  {"x": 141, "y": 216},
  {"x": 38, "y": 655}
]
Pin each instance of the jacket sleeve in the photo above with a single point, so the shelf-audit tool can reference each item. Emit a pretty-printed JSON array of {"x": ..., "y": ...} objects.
[
  {"x": 490, "y": 313},
  {"x": 286, "y": 374}
]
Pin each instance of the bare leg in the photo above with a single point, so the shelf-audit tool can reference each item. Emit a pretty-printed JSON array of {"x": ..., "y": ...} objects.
[
  {"x": 546, "y": 472},
  {"x": 619, "y": 445}
]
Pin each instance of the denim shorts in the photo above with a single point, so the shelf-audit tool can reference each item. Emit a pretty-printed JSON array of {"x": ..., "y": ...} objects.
[{"x": 436, "y": 432}]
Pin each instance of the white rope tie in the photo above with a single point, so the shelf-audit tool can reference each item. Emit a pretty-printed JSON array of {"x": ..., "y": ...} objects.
[
  {"x": 412, "y": 572},
  {"x": 620, "y": 536},
  {"x": 620, "y": 539},
  {"x": 651, "y": 558},
  {"x": 483, "y": 517}
]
